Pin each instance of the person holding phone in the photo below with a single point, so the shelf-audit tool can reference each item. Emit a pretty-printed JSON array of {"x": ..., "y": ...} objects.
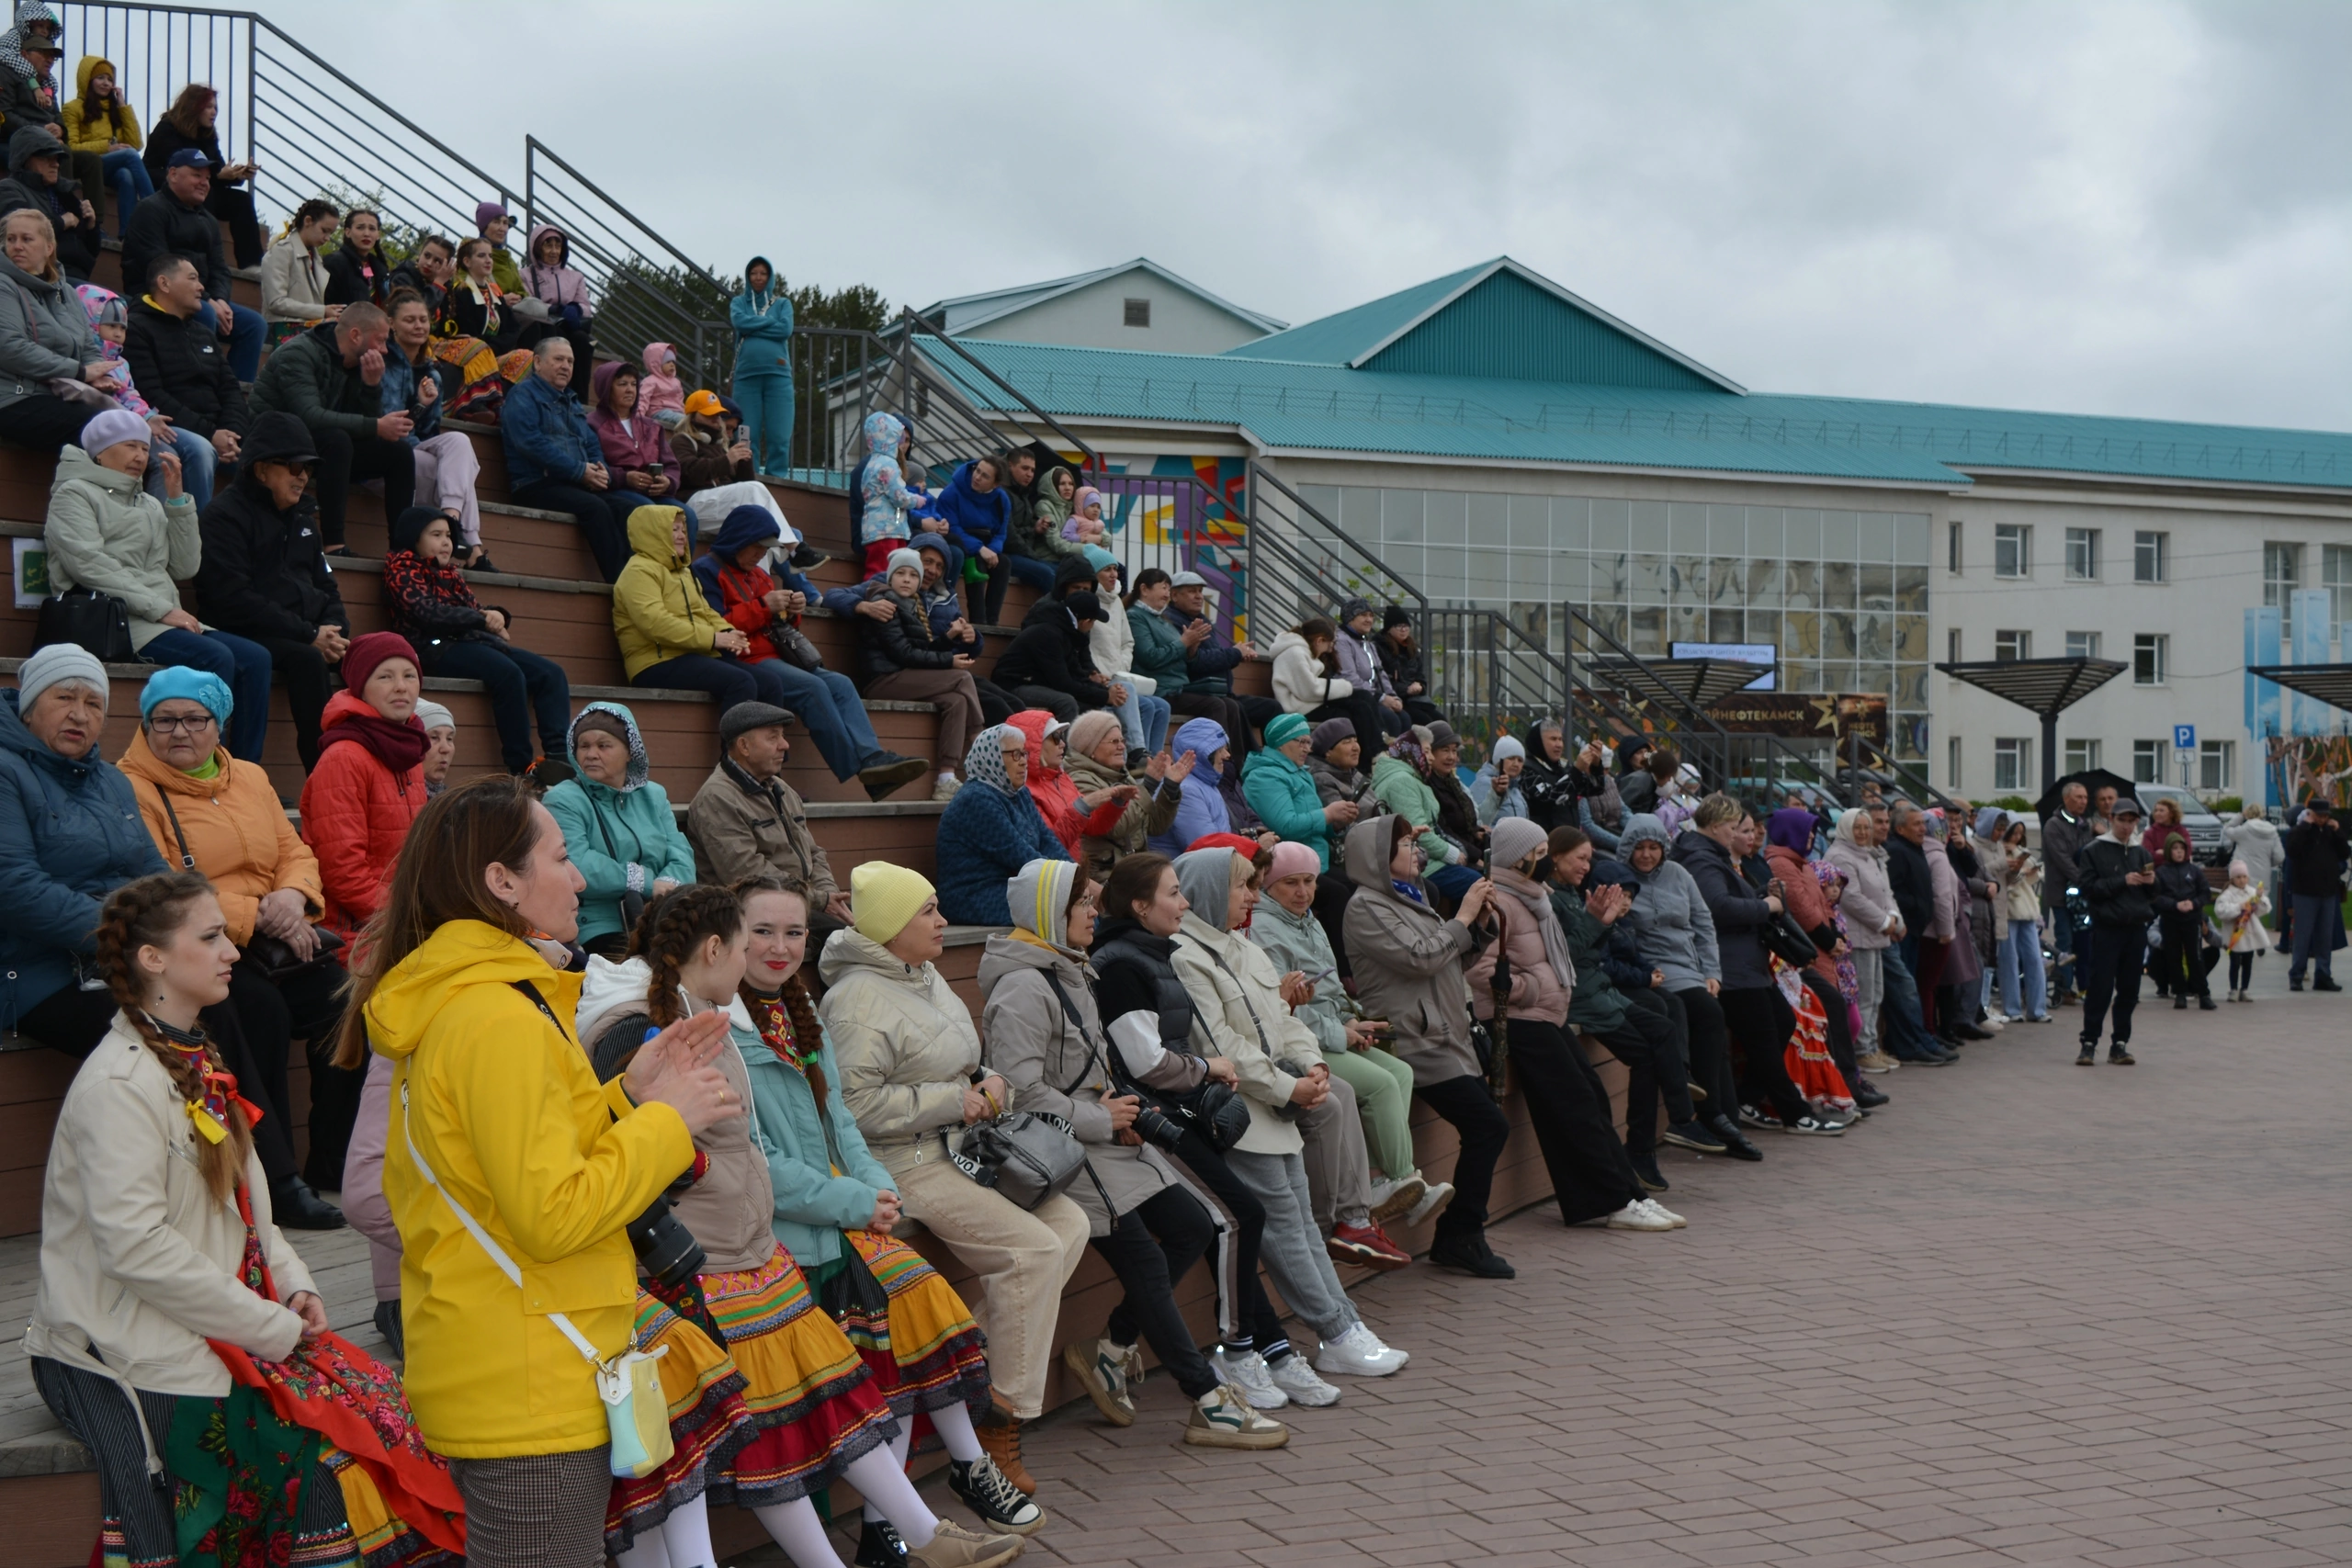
[{"x": 2118, "y": 881}]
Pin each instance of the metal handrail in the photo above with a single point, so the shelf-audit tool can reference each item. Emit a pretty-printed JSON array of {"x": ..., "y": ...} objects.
[
  {"x": 909, "y": 325},
  {"x": 533, "y": 149}
]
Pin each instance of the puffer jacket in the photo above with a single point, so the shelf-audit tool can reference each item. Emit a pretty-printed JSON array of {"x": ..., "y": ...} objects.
[
  {"x": 906, "y": 1046},
  {"x": 548, "y": 1161},
  {"x": 1300, "y": 683},
  {"x": 1332, "y": 784},
  {"x": 659, "y": 608},
  {"x": 1360, "y": 663},
  {"x": 1283, "y": 795},
  {"x": 1055, "y": 793},
  {"x": 264, "y": 572},
  {"x": 2255, "y": 841},
  {"x": 1409, "y": 964},
  {"x": 105, "y": 532},
  {"x": 1153, "y": 811},
  {"x": 1536, "y": 991},
  {"x": 974, "y": 520},
  {"x": 356, "y": 817},
  {"x": 305, "y": 376},
  {"x": 44, "y": 334},
  {"x": 1807, "y": 903},
  {"x": 182, "y": 367},
  {"x": 622, "y": 841},
  {"x": 730, "y": 1207},
  {"x": 1136, "y": 972},
  {"x": 1055, "y": 1067},
  {"x": 1672, "y": 930},
  {"x": 140, "y": 1265},
  {"x": 1738, "y": 911},
  {"x": 559, "y": 283},
  {"x": 906, "y": 642},
  {"x": 235, "y": 831},
  {"x": 70, "y": 834},
  {"x": 824, "y": 1177}
]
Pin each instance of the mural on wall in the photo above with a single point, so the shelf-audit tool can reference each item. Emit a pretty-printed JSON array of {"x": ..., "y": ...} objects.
[
  {"x": 2301, "y": 765},
  {"x": 1156, "y": 518}
]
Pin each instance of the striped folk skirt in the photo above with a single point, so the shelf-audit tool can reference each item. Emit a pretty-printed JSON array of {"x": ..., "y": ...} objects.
[
  {"x": 703, "y": 1390},
  {"x": 927, "y": 1354}
]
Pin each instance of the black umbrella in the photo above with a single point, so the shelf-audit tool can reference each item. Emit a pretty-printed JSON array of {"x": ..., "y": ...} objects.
[{"x": 2093, "y": 779}]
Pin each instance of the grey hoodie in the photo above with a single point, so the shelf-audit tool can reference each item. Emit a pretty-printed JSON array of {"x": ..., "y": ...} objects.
[{"x": 1672, "y": 929}]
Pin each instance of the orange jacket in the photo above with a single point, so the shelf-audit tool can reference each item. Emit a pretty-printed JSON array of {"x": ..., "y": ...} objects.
[
  {"x": 356, "y": 815},
  {"x": 237, "y": 832}
]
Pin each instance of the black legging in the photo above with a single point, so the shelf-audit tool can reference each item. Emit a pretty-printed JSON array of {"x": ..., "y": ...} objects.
[
  {"x": 1760, "y": 1022},
  {"x": 1252, "y": 1314},
  {"x": 1150, "y": 1247},
  {"x": 1362, "y": 710},
  {"x": 2181, "y": 961},
  {"x": 1569, "y": 1109},
  {"x": 1466, "y": 1104},
  {"x": 306, "y": 1005},
  {"x": 1710, "y": 1043},
  {"x": 1654, "y": 1016}
]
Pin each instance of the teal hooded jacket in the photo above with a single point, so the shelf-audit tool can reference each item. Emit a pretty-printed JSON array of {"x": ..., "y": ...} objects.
[
  {"x": 623, "y": 840},
  {"x": 1283, "y": 795}
]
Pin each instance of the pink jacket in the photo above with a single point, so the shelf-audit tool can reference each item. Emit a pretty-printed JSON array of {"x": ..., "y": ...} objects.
[
  {"x": 659, "y": 394},
  {"x": 642, "y": 444},
  {"x": 1535, "y": 990},
  {"x": 363, "y": 1180}
]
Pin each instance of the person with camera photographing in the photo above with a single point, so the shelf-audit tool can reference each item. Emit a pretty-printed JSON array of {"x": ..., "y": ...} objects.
[
  {"x": 496, "y": 1116},
  {"x": 817, "y": 1412},
  {"x": 1045, "y": 1033},
  {"x": 912, "y": 1075}
]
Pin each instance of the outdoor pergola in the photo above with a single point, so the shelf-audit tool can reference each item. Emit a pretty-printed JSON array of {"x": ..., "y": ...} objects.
[
  {"x": 2330, "y": 683},
  {"x": 1701, "y": 683},
  {"x": 2047, "y": 687}
]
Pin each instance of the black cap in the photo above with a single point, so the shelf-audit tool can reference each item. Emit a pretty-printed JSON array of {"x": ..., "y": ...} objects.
[{"x": 2125, "y": 806}]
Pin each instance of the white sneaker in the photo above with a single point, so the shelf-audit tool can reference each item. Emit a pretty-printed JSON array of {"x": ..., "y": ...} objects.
[
  {"x": 1249, "y": 1373},
  {"x": 1296, "y": 1379},
  {"x": 1655, "y": 1207},
  {"x": 1357, "y": 1353},
  {"x": 1439, "y": 1194},
  {"x": 947, "y": 788},
  {"x": 1391, "y": 1199},
  {"x": 1386, "y": 1348},
  {"x": 1638, "y": 1215}
]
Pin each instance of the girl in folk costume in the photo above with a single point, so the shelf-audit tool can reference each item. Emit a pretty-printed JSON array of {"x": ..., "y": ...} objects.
[
  {"x": 816, "y": 1412},
  {"x": 252, "y": 1434}
]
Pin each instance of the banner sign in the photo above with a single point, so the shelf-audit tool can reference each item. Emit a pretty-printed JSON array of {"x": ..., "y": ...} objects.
[{"x": 1803, "y": 716}]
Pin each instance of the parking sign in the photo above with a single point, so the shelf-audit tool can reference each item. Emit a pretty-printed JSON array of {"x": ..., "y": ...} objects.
[{"x": 2184, "y": 738}]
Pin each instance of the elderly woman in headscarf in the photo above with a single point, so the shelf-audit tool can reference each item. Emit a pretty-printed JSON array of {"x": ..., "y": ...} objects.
[
  {"x": 1591, "y": 1174},
  {"x": 1245, "y": 1008},
  {"x": 990, "y": 830},
  {"x": 1956, "y": 974}
]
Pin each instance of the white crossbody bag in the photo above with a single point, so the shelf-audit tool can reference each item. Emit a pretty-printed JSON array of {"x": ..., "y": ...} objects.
[{"x": 628, "y": 1383}]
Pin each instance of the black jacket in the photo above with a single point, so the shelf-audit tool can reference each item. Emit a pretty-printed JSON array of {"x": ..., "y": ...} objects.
[
  {"x": 345, "y": 285},
  {"x": 405, "y": 276},
  {"x": 161, "y": 224},
  {"x": 1405, "y": 670},
  {"x": 1050, "y": 652},
  {"x": 182, "y": 367},
  {"x": 264, "y": 575},
  {"x": 2113, "y": 901},
  {"x": 2063, "y": 838},
  {"x": 77, "y": 243},
  {"x": 1457, "y": 814},
  {"x": 2175, "y": 883},
  {"x": 1136, "y": 972},
  {"x": 1739, "y": 910},
  {"x": 1552, "y": 789},
  {"x": 902, "y": 642},
  {"x": 305, "y": 376},
  {"x": 165, "y": 139},
  {"x": 2316, "y": 856},
  {"x": 1912, "y": 884}
]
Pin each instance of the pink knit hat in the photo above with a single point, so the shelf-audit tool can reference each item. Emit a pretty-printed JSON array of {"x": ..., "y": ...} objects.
[{"x": 1290, "y": 859}]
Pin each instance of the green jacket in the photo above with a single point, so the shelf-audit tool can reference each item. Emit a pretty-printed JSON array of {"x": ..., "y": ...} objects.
[
  {"x": 622, "y": 841},
  {"x": 1159, "y": 650},
  {"x": 1596, "y": 1005},
  {"x": 1283, "y": 795},
  {"x": 804, "y": 1147},
  {"x": 1402, "y": 789},
  {"x": 306, "y": 377}
]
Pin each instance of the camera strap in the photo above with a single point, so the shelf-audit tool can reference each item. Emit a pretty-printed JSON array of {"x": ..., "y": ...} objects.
[
  {"x": 1241, "y": 990},
  {"x": 1070, "y": 1009}
]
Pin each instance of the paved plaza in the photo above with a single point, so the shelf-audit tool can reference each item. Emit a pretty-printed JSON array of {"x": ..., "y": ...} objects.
[{"x": 2027, "y": 1313}]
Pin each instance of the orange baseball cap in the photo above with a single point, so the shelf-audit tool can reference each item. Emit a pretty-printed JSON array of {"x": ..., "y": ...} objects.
[{"x": 705, "y": 403}]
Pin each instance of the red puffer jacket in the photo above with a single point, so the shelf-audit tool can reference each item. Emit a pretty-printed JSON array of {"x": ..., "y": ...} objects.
[
  {"x": 356, "y": 815},
  {"x": 1057, "y": 793}
]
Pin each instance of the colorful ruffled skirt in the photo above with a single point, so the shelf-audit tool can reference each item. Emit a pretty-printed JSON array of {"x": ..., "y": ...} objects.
[
  {"x": 704, "y": 1389},
  {"x": 927, "y": 1353},
  {"x": 814, "y": 1403},
  {"x": 485, "y": 373}
]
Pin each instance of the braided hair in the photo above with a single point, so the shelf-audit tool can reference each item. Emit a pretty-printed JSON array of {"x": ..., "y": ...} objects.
[
  {"x": 146, "y": 913},
  {"x": 672, "y": 927},
  {"x": 807, "y": 1033}
]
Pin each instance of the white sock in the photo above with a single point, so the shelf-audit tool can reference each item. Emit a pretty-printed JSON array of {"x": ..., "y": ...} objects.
[
  {"x": 946, "y": 776},
  {"x": 955, "y": 1424},
  {"x": 899, "y": 1446},
  {"x": 882, "y": 1477},
  {"x": 647, "y": 1552},
  {"x": 687, "y": 1535},
  {"x": 795, "y": 1527}
]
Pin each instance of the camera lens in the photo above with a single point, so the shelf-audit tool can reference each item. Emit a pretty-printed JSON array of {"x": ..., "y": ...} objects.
[{"x": 664, "y": 1247}]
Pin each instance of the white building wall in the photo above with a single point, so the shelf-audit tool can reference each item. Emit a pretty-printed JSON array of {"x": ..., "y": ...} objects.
[{"x": 1093, "y": 317}]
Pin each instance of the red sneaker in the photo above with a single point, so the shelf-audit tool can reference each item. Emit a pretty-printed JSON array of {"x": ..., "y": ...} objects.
[{"x": 1367, "y": 1245}]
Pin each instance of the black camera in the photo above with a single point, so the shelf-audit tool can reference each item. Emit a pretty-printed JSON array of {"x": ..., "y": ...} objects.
[{"x": 665, "y": 1248}]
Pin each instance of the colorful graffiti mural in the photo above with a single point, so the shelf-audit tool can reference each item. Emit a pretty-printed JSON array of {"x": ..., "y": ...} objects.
[{"x": 2302, "y": 765}]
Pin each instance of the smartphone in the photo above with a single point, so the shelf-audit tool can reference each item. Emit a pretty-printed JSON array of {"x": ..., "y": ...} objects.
[{"x": 1320, "y": 975}]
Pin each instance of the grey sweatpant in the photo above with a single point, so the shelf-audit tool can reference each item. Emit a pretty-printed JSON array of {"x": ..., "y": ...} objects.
[
  {"x": 1339, "y": 1167},
  {"x": 1869, "y": 986},
  {"x": 1292, "y": 1248}
]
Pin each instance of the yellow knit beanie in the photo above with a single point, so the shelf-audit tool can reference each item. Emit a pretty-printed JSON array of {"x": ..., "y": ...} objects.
[{"x": 883, "y": 897}]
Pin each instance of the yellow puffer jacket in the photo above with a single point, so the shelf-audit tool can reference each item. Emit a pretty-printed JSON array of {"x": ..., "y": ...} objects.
[
  {"x": 659, "y": 611},
  {"x": 510, "y": 1118}
]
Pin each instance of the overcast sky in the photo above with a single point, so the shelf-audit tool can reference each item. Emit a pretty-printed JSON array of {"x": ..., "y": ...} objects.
[{"x": 2132, "y": 209}]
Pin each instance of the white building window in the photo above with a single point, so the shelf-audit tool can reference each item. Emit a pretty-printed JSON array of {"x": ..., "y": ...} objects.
[
  {"x": 2150, "y": 654},
  {"x": 2217, "y": 764},
  {"x": 2336, "y": 576},
  {"x": 2012, "y": 549},
  {"x": 1952, "y": 645},
  {"x": 1951, "y": 549},
  {"x": 1951, "y": 765},
  {"x": 2282, "y": 573},
  {"x": 2151, "y": 556},
  {"x": 2012, "y": 762},
  {"x": 2148, "y": 760},
  {"x": 2082, "y": 555},
  {"x": 2082, "y": 645},
  {"x": 2082, "y": 756},
  {"x": 1136, "y": 314},
  {"x": 2010, "y": 647}
]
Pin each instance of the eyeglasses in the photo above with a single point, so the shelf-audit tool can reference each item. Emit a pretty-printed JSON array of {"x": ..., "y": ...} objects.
[{"x": 182, "y": 726}]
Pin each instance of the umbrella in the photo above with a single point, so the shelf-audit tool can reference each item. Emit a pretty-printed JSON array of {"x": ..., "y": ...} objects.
[{"x": 2091, "y": 779}]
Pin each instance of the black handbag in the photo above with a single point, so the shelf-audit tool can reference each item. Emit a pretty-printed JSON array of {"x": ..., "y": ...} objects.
[
  {"x": 273, "y": 956},
  {"x": 1789, "y": 942},
  {"x": 92, "y": 621}
]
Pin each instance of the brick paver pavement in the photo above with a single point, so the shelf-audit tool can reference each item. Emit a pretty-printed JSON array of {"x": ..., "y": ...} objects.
[{"x": 2030, "y": 1313}]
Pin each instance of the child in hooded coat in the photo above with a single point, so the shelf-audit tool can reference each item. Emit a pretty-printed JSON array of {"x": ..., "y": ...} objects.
[{"x": 660, "y": 396}]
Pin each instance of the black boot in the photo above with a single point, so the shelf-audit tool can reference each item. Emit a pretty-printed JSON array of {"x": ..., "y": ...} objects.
[
  {"x": 295, "y": 1207},
  {"x": 1735, "y": 1142}
]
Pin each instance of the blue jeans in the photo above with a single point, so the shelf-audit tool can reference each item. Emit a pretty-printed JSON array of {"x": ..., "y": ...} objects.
[
  {"x": 128, "y": 174},
  {"x": 1037, "y": 574},
  {"x": 198, "y": 464},
  {"x": 2020, "y": 949},
  {"x": 1905, "y": 1034},
  {"x": 829, "y": 706},
  {"x": 522, "y": 686},
  {"x": 1144, "y": 720},
  {"x": 731, "y": 680},
  {"x": 245, "y": 341},
  {"x": 767, "y": 420},
  {"x": 245, "y": 665}
]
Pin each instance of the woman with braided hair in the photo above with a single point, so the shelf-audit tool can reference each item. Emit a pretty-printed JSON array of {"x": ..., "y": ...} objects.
[
  {"x": 175, "y": 1332},
  {"x": 817, "y": 1412}
]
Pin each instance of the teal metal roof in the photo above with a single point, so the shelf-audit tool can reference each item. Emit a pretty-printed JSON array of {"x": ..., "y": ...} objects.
[
  {"x": 1327, "y": 407},
  {"x": 1339, "y": 339}
]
